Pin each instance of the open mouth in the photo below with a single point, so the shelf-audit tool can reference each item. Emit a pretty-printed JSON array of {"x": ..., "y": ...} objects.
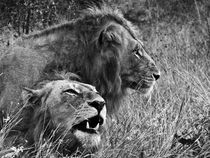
[{"x": 90, "y": 125}]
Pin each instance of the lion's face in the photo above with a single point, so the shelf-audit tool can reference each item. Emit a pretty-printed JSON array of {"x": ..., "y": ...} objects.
[
  {"x": 137, "y": 70},
  {"x": 74, "y": 108}
]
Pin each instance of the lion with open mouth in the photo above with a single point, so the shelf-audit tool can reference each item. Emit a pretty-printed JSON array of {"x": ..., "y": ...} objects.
[{"x": 68, "y": 113}]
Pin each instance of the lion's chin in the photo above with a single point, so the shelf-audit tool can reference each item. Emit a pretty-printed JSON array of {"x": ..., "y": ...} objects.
[
  {"x": 88, "y": 140},
  {"x": 146, "y": 92},
  {"x": 145, "y": 88}
]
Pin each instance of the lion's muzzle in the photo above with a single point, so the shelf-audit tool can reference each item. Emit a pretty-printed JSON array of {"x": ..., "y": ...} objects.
[
  {"x": 92, "y": 124},
  {"x": 88, "y": 132}
]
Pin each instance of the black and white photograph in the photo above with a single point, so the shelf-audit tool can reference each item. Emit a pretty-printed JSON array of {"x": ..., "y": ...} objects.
[{"x": 104, "y": 78}]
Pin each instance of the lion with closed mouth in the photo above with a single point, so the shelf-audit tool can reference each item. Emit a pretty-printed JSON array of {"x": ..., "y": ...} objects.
[{"x": 69, "y": 113}]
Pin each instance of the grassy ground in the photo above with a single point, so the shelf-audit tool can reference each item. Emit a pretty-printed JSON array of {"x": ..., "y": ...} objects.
[{"x": 180, "y": 103}]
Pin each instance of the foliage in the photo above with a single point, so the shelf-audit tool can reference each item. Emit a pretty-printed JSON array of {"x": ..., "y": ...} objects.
[{"x": 27, "y": 15}]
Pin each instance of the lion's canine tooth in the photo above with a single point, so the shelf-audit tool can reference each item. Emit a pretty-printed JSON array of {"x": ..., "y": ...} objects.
[
  {"x": 97, "y": 127},
  {"x": 87, "y": 125}
]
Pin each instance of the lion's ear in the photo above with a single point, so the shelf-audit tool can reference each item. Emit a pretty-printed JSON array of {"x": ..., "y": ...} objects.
[
  {"x": 109, "y": 36},
  {"x": 31, "y": 94}
]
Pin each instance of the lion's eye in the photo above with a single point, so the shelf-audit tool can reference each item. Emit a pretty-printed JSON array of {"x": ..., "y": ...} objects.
[
  {"x": 137, "y": 52},
  {"x": 71, "y": 91}
]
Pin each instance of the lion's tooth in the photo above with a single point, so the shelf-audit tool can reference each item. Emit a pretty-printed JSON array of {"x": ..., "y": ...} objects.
[
  {"x": 87, "y": 125},
  {"x": 97, "y": 127}
]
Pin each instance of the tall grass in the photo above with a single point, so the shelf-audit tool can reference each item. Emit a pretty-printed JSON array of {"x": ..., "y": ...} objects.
[{"x": 180, "y": 103}]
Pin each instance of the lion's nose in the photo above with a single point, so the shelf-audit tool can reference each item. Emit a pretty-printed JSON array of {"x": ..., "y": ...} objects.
[
  {"x": 100, "y": 105},
  {"x": 156, "y": 76},
  {"x": 97, "y": 104}
]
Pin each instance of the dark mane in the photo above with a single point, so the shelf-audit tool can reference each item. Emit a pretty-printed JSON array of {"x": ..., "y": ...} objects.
[{"x": 110, "y": 14}]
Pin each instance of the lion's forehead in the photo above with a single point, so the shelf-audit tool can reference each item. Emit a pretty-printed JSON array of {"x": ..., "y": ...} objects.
[{"x": 77, "y": 86}]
